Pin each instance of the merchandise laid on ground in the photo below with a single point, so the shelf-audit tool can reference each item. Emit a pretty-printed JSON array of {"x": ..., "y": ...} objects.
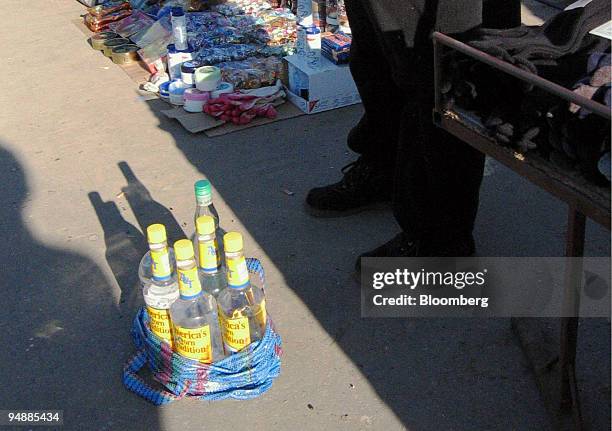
[
  {"x": 204, "y": 330},
  {"x": 220, "y": 66}
]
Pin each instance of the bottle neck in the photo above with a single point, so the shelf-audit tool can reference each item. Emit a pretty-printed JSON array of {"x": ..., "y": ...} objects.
[
  {"x": 160, "y": 261},
  {"x": 237, "y": 271},
  {"x": 208, "y": 253},
  {"x": 204, "y": 201},
  {"x": 189, "y": 282}
]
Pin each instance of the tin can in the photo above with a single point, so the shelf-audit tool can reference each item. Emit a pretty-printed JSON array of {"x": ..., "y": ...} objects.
[
  {"x": 125, "y": 54},
  {"x": 113, "y": 43},
  {"x": 98, "y": 39}
]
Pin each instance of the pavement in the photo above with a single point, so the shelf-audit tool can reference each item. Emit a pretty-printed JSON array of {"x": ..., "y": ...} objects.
[{"x": 86, "y": 164}]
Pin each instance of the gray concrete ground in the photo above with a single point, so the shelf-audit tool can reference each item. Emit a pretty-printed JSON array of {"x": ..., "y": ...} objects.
[{"x": 83, "y": 160}]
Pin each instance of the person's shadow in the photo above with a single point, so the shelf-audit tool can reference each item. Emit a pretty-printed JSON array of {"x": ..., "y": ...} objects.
[
  {"x": 65, "y": 339},
  {"x": 125, "y": 244}
]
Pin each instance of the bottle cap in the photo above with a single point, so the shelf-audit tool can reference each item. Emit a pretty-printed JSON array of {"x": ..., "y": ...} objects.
[
  {"x": 156, "y": 233},
  {"x": 177, "y": 11},
  {"x": 205, "y": 225},
  {"x": 183, "y": 249},
  {"x": 203, "y": 189},
  {"x": 232, "y": 242}
]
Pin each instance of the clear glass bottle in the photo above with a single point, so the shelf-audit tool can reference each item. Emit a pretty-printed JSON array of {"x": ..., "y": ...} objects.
[
  {"x": 205, "y": 207},
  {"x": 195, "y": 322},
  {"x": 211, "y": 269},
  {"x": 160, "y": 289},
  {"x": 242, "y": 305},
  {"x": 179, "y": 28}
]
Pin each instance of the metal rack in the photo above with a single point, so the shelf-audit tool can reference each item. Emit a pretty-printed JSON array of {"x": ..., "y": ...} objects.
[{"x": 554, "y": 370}]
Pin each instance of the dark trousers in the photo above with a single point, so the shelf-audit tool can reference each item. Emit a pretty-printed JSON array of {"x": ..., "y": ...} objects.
[{"x": 436, "y": 177}]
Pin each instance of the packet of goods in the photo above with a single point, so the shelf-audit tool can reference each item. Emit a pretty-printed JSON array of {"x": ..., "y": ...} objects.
[
  {"x": 336, "y": 47},
  {"x": 277, "y": 31},
  {"x": 242, "y": 7},
  {"x": 226, "y": 52},
  {"x": 108, "y": 8},
  {"x": 157, "y": 33},
  {"x": 132, "y": 24},
  {"x": 101, "y": 23},
  {"x": 216, "y": 37},
  {"x": 242, "y": 107},
  {"x": 251, "y": 73},
  {"x": 205, "y": 21}
]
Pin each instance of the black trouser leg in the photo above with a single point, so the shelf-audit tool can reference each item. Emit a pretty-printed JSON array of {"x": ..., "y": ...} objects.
[
  {"x": 437, "y": 177},
  {"x": 375, "y": 137}
]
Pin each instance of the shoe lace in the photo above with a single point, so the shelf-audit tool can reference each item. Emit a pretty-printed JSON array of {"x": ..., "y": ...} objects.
[{"x": 355, "y": 173}]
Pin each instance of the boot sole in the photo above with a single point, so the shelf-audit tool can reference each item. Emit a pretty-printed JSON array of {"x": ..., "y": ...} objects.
[{"x": 320, "y": 213}]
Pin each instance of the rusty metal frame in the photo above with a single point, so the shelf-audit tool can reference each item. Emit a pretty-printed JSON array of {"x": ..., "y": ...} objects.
[{"x": 554, "y": 371}]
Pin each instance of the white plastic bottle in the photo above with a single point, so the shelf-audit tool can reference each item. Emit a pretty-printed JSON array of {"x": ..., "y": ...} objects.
[
  {"x": 159, "y": 290},
  {"x": 211, "y": 269},
  {"x": 242, "y": 305},
  {"x": 179, "y": 28},
  {"x": 195, "y": 321}
]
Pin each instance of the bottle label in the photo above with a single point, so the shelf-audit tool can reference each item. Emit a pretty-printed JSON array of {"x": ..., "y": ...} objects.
[
  {"x": 237, "y": 272},
  {"x": 261, "y": 315},
  {"x": 194, "y": 343},
  {"x": 209, "y": 258},
  {"x": 159, "y": 321},
  {"x": 161, "y": 264},
  {"x": 189, "y": 282},
  {"x": 236, "y": 332}
]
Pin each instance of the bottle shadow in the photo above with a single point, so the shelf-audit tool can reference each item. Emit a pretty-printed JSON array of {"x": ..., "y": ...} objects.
[{"x": 64, "y": 335}]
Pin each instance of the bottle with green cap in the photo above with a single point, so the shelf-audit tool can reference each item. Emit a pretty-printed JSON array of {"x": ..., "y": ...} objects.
[
  {"x": 242, "y": 305},
  {"x": 195, "y": 322},
  {"x": 159, "y": 284},
  {"x": 212, "y": 271},
  {"x": 204, "y": 201}
]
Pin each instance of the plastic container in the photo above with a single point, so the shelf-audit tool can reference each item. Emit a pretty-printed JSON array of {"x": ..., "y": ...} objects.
[
  {"x": 179, "y": 28},
  {"x": 187, "y": 71},
  {"x": 195, "y": 99},
  {"x": 207, "y": 78}
]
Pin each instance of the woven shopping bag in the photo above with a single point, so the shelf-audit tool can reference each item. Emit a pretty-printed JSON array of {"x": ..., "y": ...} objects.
[{"x": 243, "y": 375}]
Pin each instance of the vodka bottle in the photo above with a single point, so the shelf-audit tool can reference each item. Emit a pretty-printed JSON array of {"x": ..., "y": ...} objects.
[
  {"x": 194, "y": 316},
  {"x": 205, "y": 207},
  {"x": 161, "y": 288},
  {"x": 242, "y": 305},
  {"x": 212, "y": 272}
]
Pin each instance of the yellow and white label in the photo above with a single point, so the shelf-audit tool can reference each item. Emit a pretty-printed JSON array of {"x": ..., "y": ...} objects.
[
  {"x": 189, "y": 282},
  {"x": 159, "y": 321},
  {"x": 208, "y": 255},
  {"x": 160, "y": 263},
  {"x": 261, "y": 315},
  {"x": 194, "y": 343},
  {"x": 237, "y": 272},
  {"x": 236, "y": 332}
]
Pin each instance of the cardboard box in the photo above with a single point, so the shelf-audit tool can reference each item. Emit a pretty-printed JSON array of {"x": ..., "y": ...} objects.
[{"x": 316, "y": 90}]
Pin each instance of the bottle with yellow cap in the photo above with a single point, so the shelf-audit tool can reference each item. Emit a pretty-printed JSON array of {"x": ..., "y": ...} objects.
[
  {"x": 194, "y": 315},
  {"x": 212, "y": 271},
  {"x": 159, "y": 284},
  {"x": 242, "y": 305}
]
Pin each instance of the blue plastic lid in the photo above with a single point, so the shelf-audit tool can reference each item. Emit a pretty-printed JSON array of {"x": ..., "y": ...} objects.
[
  {"x": 177, "y": 11},
  {"x": 163, "y": 88},
  {"x": 313, "y": 30}
]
